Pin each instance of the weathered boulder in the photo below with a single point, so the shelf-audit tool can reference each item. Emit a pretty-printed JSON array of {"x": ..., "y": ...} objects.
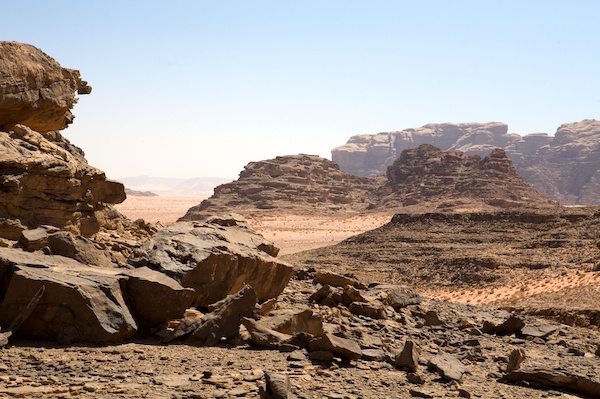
[
  {"x": 215, "y": 260},
  {"x": 294, "y": 320},
  {"x": 346, "y": 348},
  {"x": 263, "y": 336},
  {"x": 85, "y": 303},
  {"x": 48, "y": 181},
  {"x": 447, "y": 366},
  {"x": 224, "y": 321},
  {"x": 35, "y": 90}
]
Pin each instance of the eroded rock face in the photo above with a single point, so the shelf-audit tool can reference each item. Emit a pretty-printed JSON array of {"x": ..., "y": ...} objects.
[
  {"x": 35, "y": 90},
  {"x": 215, "y": 259},
  {"x": 295, "y": 183},
  {"x": 564, "y": 167},
  {"x": 428, "y": 174},
  {"x": 46, "y": 180}
]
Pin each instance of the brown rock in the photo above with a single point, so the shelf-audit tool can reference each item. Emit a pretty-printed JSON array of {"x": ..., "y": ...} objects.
[
  {"x": 409, "y": 357},
  {"x": 336, "y": 280},
  {"x": 368, "y": 309},
  {"x": 263, "y": 336},
  {"x": 447, "y": 366},
  {"x": 225, "y": 321},
  {"x": 516, "y": 357},
  {"x": 215, "y": 260},
  {"x": 36, "y": 91},
  {"x": 346, "y": 348},
  {"x": 85, "y": 303},
  {"x": 294, "y": 320},
  {"x": 553, "y": 379},
  {"x": 277, "y": 386}
]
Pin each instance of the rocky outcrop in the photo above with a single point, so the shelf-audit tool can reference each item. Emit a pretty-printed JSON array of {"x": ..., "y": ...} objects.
[
  {"x": 295, "y": 183},
  {"x": 35, "y": 90},
  {"x": 216, "y": 259},
  {"x": 565, "y": 167},
  {"x": 426, "y": 177},
  {"x": 84, "y": 303},
  {"x": 44, "y": 179},
  {"x": 429, "y": 175}
]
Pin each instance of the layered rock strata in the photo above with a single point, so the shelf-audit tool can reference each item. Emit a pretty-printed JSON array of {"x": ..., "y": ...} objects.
[{"x": 564, "y": 167}]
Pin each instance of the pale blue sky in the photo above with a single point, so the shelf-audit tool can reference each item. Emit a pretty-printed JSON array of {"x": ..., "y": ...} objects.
[{"x": 201, "y": 88}]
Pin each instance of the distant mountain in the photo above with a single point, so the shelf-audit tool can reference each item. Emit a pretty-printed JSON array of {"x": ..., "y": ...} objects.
[{"x": 196, "y": 186}]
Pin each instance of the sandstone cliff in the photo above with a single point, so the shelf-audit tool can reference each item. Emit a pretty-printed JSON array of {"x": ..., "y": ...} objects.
[
  {"x": 44, "y": 179},
  {"x": 565, "y": 166},
  {"x": 422, "y": 178}
]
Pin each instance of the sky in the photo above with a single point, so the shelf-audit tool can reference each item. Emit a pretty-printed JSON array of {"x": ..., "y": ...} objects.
[{"x": 201, "y": 88}]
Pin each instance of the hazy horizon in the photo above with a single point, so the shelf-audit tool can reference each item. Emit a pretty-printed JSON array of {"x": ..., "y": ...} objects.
[{"x": 198, "y": 88}]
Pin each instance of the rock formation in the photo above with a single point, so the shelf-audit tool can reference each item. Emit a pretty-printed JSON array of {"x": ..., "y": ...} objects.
[
  {"x": 451, "y": 179},
  {"x": 43, "y": 178},
  {"x": 565, "y": 167},
  {"x": 295, "y": 183},
  {"x": 423, "y": 178},
  {"x": 216, "y": 259},
  {"x": 35, "y": 90}
]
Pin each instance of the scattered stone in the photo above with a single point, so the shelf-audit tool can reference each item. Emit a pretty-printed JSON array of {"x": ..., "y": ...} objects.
[
  {"x": 294, "y": 320},
  {"x": 346, "y": 348},
  {"x": 516, "y": 357},
  {"x": 224, "y": 322},
  {"x": 277, "y": 386},
  {"x": 409, "y": 357},
  {"x": 447, "y": 366}
]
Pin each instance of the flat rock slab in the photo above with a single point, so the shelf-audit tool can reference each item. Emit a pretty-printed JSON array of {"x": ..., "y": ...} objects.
[{"x": 448, "y": 367}]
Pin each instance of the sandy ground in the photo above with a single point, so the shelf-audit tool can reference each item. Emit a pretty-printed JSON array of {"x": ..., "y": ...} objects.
[
  {"x": 290, "y": 233},
  {"x": 163, "y": 209},
  {"x": 299, "y": 233}
]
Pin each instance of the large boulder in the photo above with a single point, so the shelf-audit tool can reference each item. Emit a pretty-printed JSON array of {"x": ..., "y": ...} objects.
[
  {"x": 35, "y": 90},
  {"x": 85, "y": 303},
  {"x": 216, "y": 259}
]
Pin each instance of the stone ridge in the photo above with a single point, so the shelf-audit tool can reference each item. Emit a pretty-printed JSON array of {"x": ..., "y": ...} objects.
[
  {"x": 298, "y": 183},
  {"x": 421, "y": 178},
  {"x": 565, "y": 167},
  {"x": 428, "y": 174}
]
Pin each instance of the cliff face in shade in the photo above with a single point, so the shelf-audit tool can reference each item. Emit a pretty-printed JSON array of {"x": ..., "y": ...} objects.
[{"x": 564, "y": 167}]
